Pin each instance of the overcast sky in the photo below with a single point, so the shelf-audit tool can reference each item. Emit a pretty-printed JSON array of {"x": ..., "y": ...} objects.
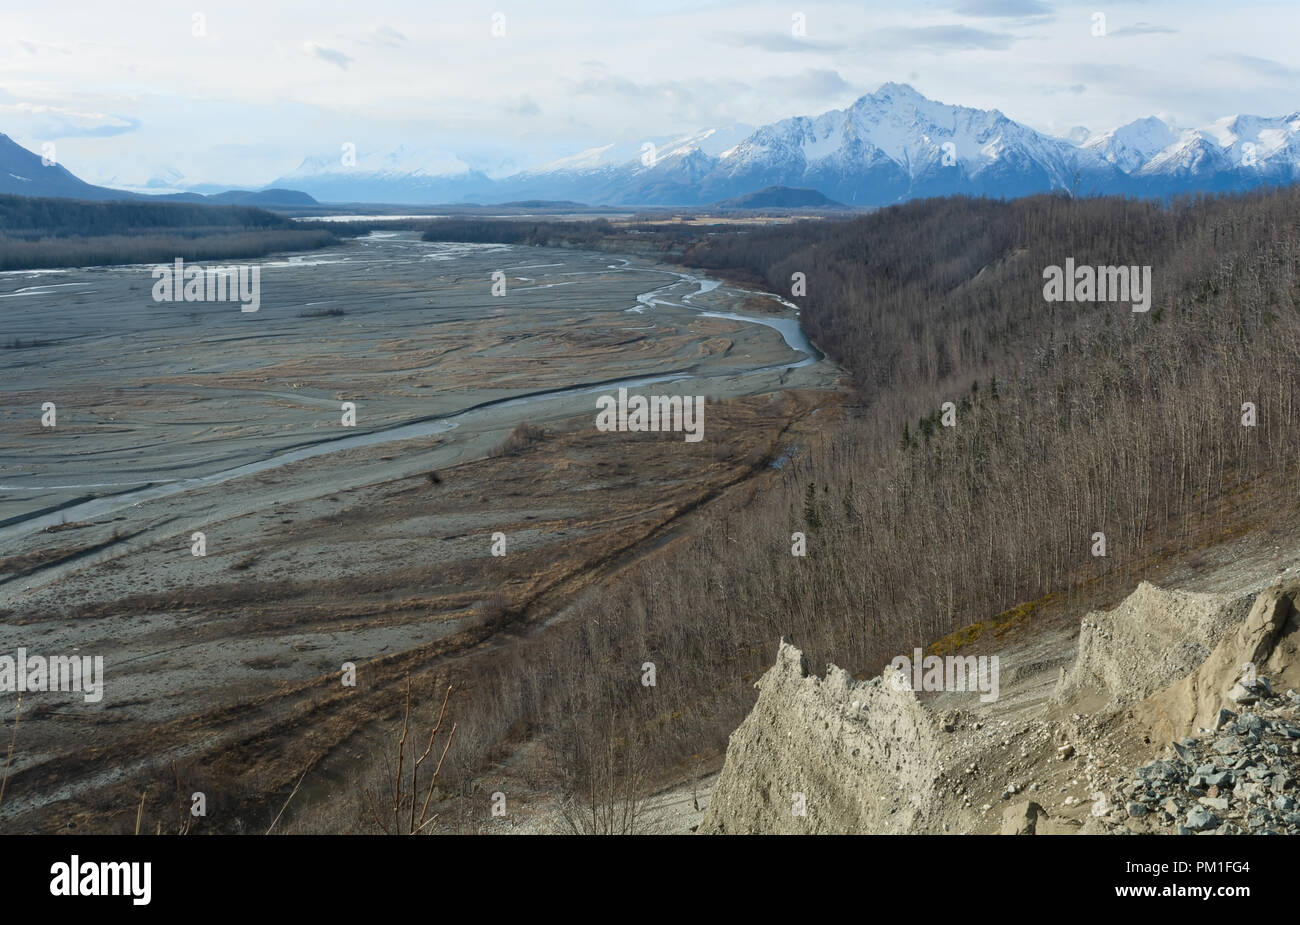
[{"x": 126, "y": 89}]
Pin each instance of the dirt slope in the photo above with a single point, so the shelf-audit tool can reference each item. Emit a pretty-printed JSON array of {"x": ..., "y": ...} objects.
[
  {"x": 831, "y": 754},
  {"x": 1068, "y": 747}
]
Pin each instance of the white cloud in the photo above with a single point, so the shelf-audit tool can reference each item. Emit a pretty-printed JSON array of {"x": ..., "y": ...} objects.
[
  {"x": 272, "y": 81},
  {"x": 327, "y": 54}
]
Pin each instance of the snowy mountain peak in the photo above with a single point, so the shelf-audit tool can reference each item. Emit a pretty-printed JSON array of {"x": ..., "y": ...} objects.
[
  {"x": 897, "y": 93},
  {"x": 888, "y": 145},
  {"x": 1130, "y": 146}
]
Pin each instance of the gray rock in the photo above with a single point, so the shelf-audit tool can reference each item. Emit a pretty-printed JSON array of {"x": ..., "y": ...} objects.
[
  {"x": 1161, "y": 770},
  {"x": 1226, "y": 745},
  {"x": 1225, "y": 716},
  {"x": 1216, "y": 803},
  {"x": 1255, "y": 793},
  {"x": 1243, "y": 695},
  {"x": 1200, "y": 819},
  {"x": 1137, "y": 810}
]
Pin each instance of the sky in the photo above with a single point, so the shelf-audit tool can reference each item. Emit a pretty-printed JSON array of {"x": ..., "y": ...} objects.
[{"x": 237, "y": 93}]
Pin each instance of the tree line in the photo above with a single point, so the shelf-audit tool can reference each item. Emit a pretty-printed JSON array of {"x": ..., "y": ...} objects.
[{"x": 41, "y": 233}]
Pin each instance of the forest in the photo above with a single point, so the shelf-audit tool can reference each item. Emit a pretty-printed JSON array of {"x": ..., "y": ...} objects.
[
  {"x": 43, "y": 233},
  {"x": 1164, "y": 430}
]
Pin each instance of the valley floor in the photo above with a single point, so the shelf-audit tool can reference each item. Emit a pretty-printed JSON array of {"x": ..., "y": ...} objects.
[{"x": 223, "y": 672}]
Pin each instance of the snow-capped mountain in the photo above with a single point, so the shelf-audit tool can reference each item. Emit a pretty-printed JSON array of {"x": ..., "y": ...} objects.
[
  {"x": 1233, "y": 153},
  {"x": 1131, "y": 146},
  {"x": 666, "y": 170},
  {"x": 888, "y": 146},
  {"x": 896, "y": 144},
  {"x": 712, "y": 142}
]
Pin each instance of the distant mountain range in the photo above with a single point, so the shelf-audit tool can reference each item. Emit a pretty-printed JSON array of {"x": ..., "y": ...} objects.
[
  {"x": 888, "y": 146},
  {"x": 891, "y": 145}
]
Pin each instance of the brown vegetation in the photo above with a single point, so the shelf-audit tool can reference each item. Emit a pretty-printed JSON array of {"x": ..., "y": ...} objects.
[
  {"x": 1072, "y": 419},
  {"x": 523, "y": 436}
]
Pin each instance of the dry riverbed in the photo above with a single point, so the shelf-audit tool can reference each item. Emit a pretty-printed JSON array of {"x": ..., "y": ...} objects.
[{"x": 328, "y": 544}]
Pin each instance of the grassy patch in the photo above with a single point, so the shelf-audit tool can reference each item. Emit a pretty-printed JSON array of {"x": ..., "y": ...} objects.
[{"x": 998, "y": 626}]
